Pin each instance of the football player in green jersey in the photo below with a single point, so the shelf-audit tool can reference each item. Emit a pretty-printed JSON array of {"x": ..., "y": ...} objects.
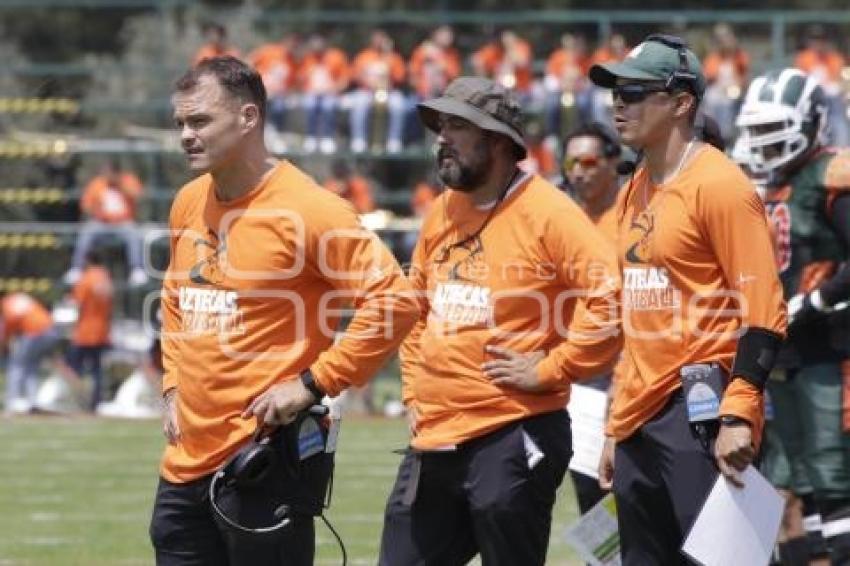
[{"x": 806, "y": 189}]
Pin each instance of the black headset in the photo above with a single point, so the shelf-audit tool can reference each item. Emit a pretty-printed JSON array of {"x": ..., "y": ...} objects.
[{"x": 682, "y": 77}]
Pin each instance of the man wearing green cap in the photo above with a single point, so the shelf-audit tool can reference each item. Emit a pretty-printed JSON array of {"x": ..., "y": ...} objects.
[
  {"x": 518, "y": 298},
  {"x": 702, "y": 308}
]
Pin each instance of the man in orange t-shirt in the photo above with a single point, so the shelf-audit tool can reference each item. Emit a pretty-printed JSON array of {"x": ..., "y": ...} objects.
[
  {"x": 93, "y": 297},
  {"x": 379, "y": 72},
  {"x": 263, "y": 262},
  {"x": 323, "y": 75},
  {"x": 703, "y": 315},
  {"x": 518, "y": 300},
  {"x": 109, "y": 205},
  {"x": 23, "y": 319}
]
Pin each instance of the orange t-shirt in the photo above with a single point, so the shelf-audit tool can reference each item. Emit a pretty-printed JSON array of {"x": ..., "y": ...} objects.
[
  {"x": 433, "y": 68},
  {"x": 108, "y": 203},
  {"x": 374, "y": 69},
  {"x": 825, "y": 68},
  {"x": 253, "y": 295},
  {"x": 327, "y": 73},
  {"x": 700, "y": 244},
  {"x": 209, "y": 51},
  {"x": 493, "y": 61},
  {"x": 538, "y": 272},
  {"x": 277, "y": 67},
  {"x": 93, "y": 295},
  {"x": 356, "y": 189},
  {"x": 23, "y": 315}
]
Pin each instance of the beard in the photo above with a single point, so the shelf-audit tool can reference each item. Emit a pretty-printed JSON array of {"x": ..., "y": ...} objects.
[{"x": 461, "y": 174}]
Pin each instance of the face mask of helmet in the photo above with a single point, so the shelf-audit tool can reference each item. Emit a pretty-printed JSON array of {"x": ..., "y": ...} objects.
[{"x": 782, "y": 118}]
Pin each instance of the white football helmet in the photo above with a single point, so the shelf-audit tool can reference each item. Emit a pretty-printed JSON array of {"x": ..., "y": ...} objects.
[{"x": 782, "y": 117}]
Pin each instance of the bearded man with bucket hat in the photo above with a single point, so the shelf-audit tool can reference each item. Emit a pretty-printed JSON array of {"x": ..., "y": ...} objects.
[
  {"x": 702, "y": 308},
  {"x": 518, "y": 299}
]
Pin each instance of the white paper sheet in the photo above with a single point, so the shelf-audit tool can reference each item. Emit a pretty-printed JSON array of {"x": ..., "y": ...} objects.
[
  {"x": 595, "y": 536},
  {"x": 737, "y": 525},
  {"x": 587, "y": 413}
]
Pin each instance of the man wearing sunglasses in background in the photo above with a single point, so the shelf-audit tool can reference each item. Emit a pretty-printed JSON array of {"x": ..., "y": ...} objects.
[
  {"x": 518, "y": 300},
  {"x": 702, "y": 313},
  {"x": 591, "y": 155}
]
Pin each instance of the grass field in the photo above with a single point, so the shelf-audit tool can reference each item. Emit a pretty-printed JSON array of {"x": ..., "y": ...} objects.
[{"x": 79, "y": 491}]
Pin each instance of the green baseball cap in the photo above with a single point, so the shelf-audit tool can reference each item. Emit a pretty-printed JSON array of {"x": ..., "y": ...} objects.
[
  {"x": 656, "y": 59},
  {"x": 484, "y": 102}
]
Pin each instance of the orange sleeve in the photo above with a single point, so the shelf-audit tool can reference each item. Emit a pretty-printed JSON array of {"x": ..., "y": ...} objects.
[
  {"x": 357, "y": 263},
  {"x": 131, "y": 186},
  {"x": 415, "y": 65},
  {"x": 586, "y": 263},
  {"x": 360, "y": 62},
  {"x": 409, "y": 352},
  {"x": 803, "y": 61},
  {"x": 81, "y": 289},
  {"x": 736, "y": 225}
]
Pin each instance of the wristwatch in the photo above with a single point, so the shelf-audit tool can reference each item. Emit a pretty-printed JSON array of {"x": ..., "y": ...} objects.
[
  {"x": 309, "y": 381},
  {"x": 732, "y": 420}
]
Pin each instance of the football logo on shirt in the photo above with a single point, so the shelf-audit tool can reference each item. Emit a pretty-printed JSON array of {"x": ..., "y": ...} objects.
[
  {"x": 641, "y": 230},
  {"x": 209, "y": 270}
]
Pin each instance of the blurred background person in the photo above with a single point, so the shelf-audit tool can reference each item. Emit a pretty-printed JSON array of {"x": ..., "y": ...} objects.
[
  {"x": 216, "y": 44},
  {"x": 566, "y": 88},
  {"x": 599, "y": 106},
  {"x": 434, "y": 63},
  {"x": 820, "y": 59},
  {"x": 93, "y": 296},
  {"x": 350, "y": 185},
  {"x": 379, "y": 72},
  {"x": 726, "y": 69},
  {"x": 507, "y": 59},
  {"x": 28, "y": 337},
  {"x": 323, "y": 74},
  {"x": 109, "y": 206},
  {"x": 277, "y": 64}
]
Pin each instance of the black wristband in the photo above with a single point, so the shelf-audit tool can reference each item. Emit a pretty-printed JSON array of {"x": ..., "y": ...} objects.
[
  {"x": 757, "y": 349},
  {"x": 309, "y": 381}
]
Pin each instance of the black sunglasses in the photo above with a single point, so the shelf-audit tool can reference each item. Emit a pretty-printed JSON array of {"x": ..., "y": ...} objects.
[{"x": 633, "y": 93}]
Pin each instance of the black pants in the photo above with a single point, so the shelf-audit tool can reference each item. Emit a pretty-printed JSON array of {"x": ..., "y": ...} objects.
[
  {"x": 82, "y": 357},
  {"x": 481, "y": 498},
  {"x": 662, "y": 476},
  {"x": 184, "y": 533}
]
